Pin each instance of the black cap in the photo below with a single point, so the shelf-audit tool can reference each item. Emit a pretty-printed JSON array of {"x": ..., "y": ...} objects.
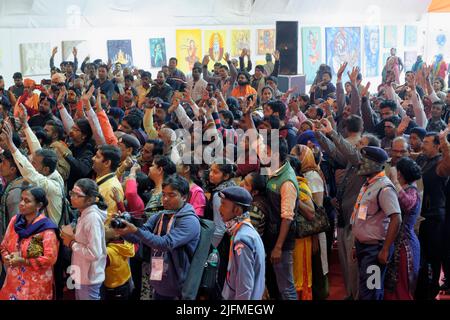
[
  {"x": 238, "y": 195},
  {"x": 17, "y": 75},
  {"x": 375, "y": 154},
  {"x": 421, "y": 132}
]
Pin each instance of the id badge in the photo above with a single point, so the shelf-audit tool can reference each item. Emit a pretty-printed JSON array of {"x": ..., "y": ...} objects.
[
  {"x": 157, "y": 268},
  {"x": 362, "y": 212}
]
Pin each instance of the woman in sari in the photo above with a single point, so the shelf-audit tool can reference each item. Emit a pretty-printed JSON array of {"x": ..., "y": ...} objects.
[
  {"x": 312, "y": 173},
  {"x": 303, "y": 247},
  {"x": 403, "y": 269},
  {"x": 29, "y": 250}
]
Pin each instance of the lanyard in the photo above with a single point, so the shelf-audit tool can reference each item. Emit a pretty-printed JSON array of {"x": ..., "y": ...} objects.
[
  {"x": 364, "y": 188},
  {"x": 246, "y": 221},
  {"x": 169, "y": 225}
]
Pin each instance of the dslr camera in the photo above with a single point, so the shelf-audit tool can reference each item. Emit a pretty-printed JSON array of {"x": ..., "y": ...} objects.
[{"x": 117, "y": 223}]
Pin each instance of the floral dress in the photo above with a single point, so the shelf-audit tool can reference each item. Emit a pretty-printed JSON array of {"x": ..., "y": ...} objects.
[{"x": 33, "y": 282}]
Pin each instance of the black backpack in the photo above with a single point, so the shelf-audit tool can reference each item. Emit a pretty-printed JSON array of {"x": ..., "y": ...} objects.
[{"x": 200, "y": 274}]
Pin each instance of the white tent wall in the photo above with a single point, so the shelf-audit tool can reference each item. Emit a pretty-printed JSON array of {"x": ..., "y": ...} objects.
[
  {"x": 436, "y": 24},
  {"x": 29, "y": 21}
]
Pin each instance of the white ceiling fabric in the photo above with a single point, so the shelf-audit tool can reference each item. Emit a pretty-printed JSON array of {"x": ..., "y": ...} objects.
[{"x": 145, "y": 13}]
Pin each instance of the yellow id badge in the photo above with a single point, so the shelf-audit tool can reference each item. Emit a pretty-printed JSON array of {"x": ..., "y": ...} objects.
[
  {"x": 362, "y": 212},
  {"x": 157, "y": 268}
]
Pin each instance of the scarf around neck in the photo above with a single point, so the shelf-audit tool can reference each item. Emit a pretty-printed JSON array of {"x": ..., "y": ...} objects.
[{"x": 41, "y": 225}]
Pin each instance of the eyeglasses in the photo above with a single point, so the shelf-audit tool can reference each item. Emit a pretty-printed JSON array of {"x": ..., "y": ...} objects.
[{"x": 77, "y": 195}]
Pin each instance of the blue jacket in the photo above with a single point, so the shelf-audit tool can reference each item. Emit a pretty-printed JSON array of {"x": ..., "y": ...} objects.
[
  {"x": 178, "y": 246},
  {"x": 246, "y": 267}
]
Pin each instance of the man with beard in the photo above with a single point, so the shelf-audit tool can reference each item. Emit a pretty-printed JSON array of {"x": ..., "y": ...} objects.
[
  {"x": 161, "y": 89},
  {"x": 390, "y": 132},
  {"x": 432, "y": 229},
  {"x": 375, "y": 221},
  {"x": 73, "y": 102},
  {"x": 226, "y": 74},
  {"x": 80, "y": 151},
  {"x": 244, "y": 89},
  {"x": 45, "y": 113},
  {"x": 143, "y": 90}
]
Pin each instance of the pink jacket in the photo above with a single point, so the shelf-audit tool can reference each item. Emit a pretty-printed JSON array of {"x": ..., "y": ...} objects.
[{"x": 197, "y": 199}]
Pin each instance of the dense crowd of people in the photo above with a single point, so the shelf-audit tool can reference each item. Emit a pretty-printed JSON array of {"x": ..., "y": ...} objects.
[{"x": 120, "y": 185}]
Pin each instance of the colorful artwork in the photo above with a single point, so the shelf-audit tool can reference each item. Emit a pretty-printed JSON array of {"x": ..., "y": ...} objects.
[
  {"x": 189, "y": 48},
  {"x": 119, "y": 51},
  {"x": 439, "y": 44},
  {"x": 266, "y": 41},
  {"x": 343, "y": 45},
  {"x": 410, "y": 59},
  {"x": 240, "y": 39},
  {"x": 158, "y": 57},
  {"x": 372, "y": 51},
  {"x": 410, "y": 36},
  {"x": 312, "y": 52},
  {"x": 390, "y": 37},
  {"x": 82, "y": 48},
  {"x": 34, "y": 58},
  {"x": 215, "y": 45}
]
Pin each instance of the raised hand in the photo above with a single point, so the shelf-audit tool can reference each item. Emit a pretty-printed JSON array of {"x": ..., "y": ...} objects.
[
  {"x": 75, "y": 51},
  {"x": 243, "y": 53},
  {"x": 115, "y": 195},
  {"x": 227, "y": 57},
  {"x": 205, "y": 95},
  {"x": 341, "y": 70},
  {"x": 54, "y": 51},
  {"x": 226, "y": 86},
  {"x": 276, "y": 55},
  {"x": 365, "y": 90},
  {"x": 326, "y": 126},
  {"x": 61, "y": 96},
  {"x": 23, "y": 115},
  {"x": 8, "y": 133},
  {"x": 353, "y": 75},
  {"x": 206, "y": 60},
  {"x": 187, "y": 96}
]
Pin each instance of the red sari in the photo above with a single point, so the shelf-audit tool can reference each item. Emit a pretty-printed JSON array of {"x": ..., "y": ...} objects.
[{"x": 34, "y": 282}]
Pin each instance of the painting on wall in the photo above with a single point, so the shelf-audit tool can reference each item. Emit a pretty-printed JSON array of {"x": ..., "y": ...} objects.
[
  {"x": 240, "y": 39},
  {"x": 158, "y": 56},
  {"x": 266, "y": 41},
  {"x": 410, "y": 59},
  {"x": 439, "y": 44},
  {"x": 82, "y": 50},
  {"x": 312, "y": 52},
  {"x": 343, "y": 45},
  {"x": 390, "y": 37},
  {"x": 189, "y": 48},
  {"x": 410, "y": 36},
  {"x": 372, "y": 51},
  {"x": 34, "y": 58},
  {"x": 119, "y": 51},
  {"x": 215, "y": 41}
]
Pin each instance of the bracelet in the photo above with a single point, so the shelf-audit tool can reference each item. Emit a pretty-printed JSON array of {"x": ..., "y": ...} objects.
[{"x": 71, "y": 243}]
